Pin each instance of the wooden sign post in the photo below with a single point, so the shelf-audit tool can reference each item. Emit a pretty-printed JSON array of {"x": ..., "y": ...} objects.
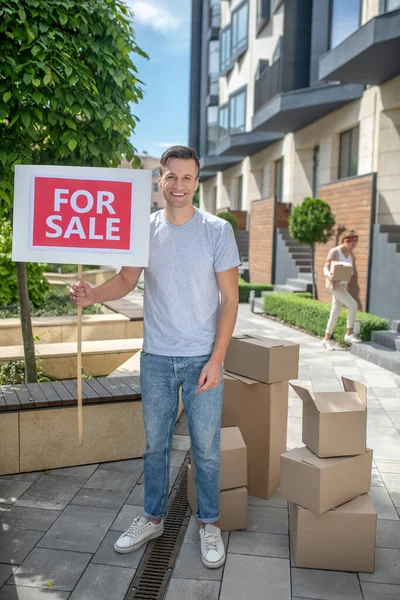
[
  {"x": 75, "y": 215},
  {"x": 79, "y": 366}
]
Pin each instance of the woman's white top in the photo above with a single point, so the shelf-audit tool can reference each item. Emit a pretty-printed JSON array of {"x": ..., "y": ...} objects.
[{"x": 343, "y": 258}]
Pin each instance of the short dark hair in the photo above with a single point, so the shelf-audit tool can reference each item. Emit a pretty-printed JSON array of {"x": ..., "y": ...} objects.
[{"x": 184, "y": 152}]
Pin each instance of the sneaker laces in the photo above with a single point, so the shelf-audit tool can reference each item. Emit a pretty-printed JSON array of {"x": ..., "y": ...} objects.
[
  {"x": 211, "y": 541},
  {"x": 136, "y": 528}
]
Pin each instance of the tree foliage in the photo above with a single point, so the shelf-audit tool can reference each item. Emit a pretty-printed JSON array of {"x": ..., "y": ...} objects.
[
  {"x": 227, "y": 216},
  {"x": 37, "y": 283},
  {"x": 311, "y": 223},
  {"x": 66, "y": 83}
]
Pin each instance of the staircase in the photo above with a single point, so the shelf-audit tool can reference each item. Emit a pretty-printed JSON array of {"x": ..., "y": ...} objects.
[
  {"x": 383, "y": 350},
  {"x": 299, "y": 255},
  {"x": 242, "y": 240}
]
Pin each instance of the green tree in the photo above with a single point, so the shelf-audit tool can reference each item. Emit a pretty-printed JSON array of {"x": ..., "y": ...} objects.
[
  {"x": 312, "y": 223},
  {"x": 227, "y": 216},
  {"x": 67, "y": 80}
]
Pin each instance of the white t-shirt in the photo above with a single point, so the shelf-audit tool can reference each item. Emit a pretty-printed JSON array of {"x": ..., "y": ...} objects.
[{"x": 181, "y": 297}]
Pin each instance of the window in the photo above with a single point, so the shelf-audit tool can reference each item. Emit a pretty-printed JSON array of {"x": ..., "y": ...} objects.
[
  {"x": 225, "y": 49},
  {"x": 155, "y": 188},
  {"x": 315, "y": 172},
  {"x": 240, "y": 26},
  {"x": 344, "y": 20},
  {"x": 213, "y": 57},
  {"x": 392, "y": 5},
  {"x": 278, "y": 191},
  {"x": 237, "y": 112},
  {"x": 277, "y": 52},
  {"x": 348, "y": 153},
  {"x": 212, "y": 129},
  {"x": 276, "y": 4},
  {"x": 223, "y": 121},
  {"x": 263, "y": 11}
]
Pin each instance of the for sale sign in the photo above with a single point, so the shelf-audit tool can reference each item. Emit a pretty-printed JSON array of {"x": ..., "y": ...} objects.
[{"x": 62, "y": 211}]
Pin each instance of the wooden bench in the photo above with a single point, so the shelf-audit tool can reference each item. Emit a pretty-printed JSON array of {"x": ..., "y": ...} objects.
[
  {"x": 64, "y": 393},
  {"x": 38, "y": 423}
]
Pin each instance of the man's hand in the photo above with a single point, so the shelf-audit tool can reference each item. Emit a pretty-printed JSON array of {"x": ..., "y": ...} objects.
[
  {"x": 81, "y": 294},
  {"x": 210, "y": 376}
]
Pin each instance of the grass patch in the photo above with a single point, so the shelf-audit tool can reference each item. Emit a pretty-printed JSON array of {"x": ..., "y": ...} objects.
[
  {"x": 56, "y": 303},
  {"x": 312, "y": 316}
]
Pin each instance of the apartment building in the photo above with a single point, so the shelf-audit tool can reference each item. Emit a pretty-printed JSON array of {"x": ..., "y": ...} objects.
[
  {"x": 297, "y": 98},
  {"x": 152, "y": 164}
]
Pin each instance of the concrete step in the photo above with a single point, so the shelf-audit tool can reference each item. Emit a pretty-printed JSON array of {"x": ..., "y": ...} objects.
[
  {"x": 307, "y": 276},
  {"x": 384, "y": 357},
  {"x": 396, "y": 326},
  {"x": 389, "y": 228},
  {"x": 398, "y": 248},
  {"x": 386, "y": 338},
  {"x": 287, "y": 288},
  {"x": 303, "y": 262},
  {"x": 300, "y": 255},
  {"x": 300, "y": 284},
  {"x": 394, "y": 238}
]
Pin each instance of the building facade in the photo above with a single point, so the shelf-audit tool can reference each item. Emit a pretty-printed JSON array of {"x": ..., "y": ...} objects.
[
  {"x": 298, "y": 98},
  {"x": 152, "y": 164}
]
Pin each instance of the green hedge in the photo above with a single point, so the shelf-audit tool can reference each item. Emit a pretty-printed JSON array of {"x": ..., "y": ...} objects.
[
  {"x": 312, "y": 316},
  {"x": 245, "y": 288}
]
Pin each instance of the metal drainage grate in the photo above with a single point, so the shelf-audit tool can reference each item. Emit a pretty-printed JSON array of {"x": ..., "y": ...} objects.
[{"x": 155, "y": 569}]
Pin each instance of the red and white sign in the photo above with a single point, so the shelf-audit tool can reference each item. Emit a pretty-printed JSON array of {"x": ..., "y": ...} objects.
[{"x": 81, "y": 215}]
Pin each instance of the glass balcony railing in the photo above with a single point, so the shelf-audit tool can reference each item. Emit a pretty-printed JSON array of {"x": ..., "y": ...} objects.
[{"x": 267, "y": 85}]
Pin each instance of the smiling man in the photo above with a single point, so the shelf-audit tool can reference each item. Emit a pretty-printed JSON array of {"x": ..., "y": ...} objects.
[{"x": 190, "y": 309}]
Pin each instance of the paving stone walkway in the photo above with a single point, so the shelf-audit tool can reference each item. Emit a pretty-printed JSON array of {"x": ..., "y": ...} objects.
[{"x": 58, "y": 528}]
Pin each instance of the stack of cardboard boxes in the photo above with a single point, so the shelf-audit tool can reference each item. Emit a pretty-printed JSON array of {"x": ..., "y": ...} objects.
[
  {"x": 257, "y": 370},
  {"x": 332, "y": 519},
  {"x": 233, "y": 481}
]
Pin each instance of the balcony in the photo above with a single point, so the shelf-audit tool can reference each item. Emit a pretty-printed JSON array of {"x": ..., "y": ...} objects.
[
  {"x": 247, "y": 143},
  {"x": 214, "y": 21},
  {"x": 211, "y": 164},
  {"x": 371, "y": 55},
  {"x": 267, "y": 85},
  {"x": 213, "y": 89},
  {"x": 290, "y": 111}
]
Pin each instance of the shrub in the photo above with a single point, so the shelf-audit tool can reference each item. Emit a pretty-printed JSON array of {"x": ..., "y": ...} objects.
[
  {"x": 13, "y": 372},
  {"x": 227, "y": 216},
  {"x": 56, "y": 303},
  {"x": 37, "y": 283},
  {"x": 312, "y": 316},
  {"x": 245, "y": 288},
  {"x": 57, "y": 268}
]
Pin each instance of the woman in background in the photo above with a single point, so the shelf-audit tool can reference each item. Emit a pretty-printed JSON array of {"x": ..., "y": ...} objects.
[{"x": 340, "y": 295}]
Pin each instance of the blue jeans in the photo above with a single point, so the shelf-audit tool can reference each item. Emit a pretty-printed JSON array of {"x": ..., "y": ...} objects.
[{"x": 160, "y": 378}]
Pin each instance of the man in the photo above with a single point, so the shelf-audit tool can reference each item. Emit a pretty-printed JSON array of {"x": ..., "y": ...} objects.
[{"x": 190, "y": 309}]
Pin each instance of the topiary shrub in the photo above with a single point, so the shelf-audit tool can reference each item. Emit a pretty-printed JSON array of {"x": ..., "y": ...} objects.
[
  {"x": 312, "y": 316},
  {"x": 37, "y": 284},
  {"x": 227, "y": 216}
]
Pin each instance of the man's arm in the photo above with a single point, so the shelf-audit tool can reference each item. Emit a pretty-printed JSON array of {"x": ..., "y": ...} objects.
[
  {"x": 81, "y": 293},
  {"x": 228, "y": 286}
]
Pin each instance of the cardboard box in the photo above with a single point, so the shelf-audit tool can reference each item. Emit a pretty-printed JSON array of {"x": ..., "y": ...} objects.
[
  {"x": 233, "y": 459},
  {"x": 341, "y": 271},
  {"x": 320, "y": 484},
  {"x": 262, "y": 359},
  {"x": 233, "y": 505},
  {"x": 342, "y": 539},
  {"x": 335, "y": 423},
  {"x": 260, "y": 411}
]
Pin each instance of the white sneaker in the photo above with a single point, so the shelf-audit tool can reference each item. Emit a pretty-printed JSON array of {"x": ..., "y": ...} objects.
[
  {"x": 352, "y": 339},
  {"x": 212, "y": 546},
  {"x": 141, "y": 531},
  {"x": 328, "y": 344}
]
